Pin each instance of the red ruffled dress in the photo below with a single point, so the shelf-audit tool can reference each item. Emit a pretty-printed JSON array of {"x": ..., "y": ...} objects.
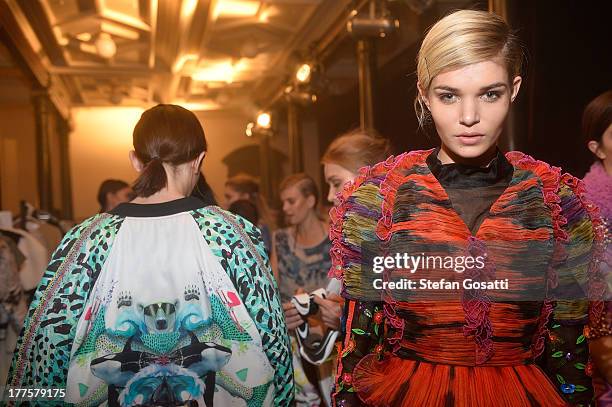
[{"x": 464, "y": 346}]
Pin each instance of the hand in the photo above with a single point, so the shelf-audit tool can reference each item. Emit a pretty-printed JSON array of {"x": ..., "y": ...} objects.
[
  {"x": 292, "y": 318},
  {"x": 331, "y": 310}
]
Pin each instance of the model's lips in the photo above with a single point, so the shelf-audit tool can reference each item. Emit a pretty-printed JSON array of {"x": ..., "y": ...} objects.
[{"x": 470, "y": 138}]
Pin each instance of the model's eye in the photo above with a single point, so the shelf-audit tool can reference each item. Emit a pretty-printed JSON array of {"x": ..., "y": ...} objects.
[
  {"x": 447, "y": 98},
  {"x": 491, "y": 96}
]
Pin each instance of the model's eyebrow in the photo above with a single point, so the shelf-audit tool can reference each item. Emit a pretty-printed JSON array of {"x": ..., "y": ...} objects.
[
  {"x": 493, "y": 86},
  {"x": 483, "y": 89},
  {"x": 447, "y": 88}
]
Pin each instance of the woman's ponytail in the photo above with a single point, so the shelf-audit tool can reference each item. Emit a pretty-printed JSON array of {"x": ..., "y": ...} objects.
[{"x": 152, "y": 178}]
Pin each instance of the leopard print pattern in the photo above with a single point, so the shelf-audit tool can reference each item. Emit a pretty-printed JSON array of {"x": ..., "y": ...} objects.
[
  {"x": 239, "y": 246},
  {"x": 43, "y": 350}
]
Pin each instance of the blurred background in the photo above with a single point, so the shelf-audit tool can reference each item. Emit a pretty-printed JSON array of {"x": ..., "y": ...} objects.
[{"x": 272, "y": 81}]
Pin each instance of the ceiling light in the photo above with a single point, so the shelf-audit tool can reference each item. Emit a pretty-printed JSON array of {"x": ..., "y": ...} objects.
[
  {"x": 303, "y": 73},
  {"x": 264, "y": 120},
  {"x": 188, "y": 8},
  {"x": 224, "y": 71},
  {"x": 84, "y": 36},
  {"x": 264, "y": 16},
  {"x": 270, "y": 11},
  {"x": 105, "y": 45},
  {"x": 236, "y": 8},
  {"x": 219, "y": 72},
  {"x": 249, "y": 129}
]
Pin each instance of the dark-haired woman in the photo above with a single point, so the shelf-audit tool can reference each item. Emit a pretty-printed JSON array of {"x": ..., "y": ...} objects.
[
  {"x": 112, "y": 192},
  {"x": 160, "y": 302},
  {"x": 245, "y": 187}
]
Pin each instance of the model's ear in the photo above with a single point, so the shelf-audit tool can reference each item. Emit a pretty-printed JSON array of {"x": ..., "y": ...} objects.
[
  {"x": 596, "y": 149},
  {"x": 516, "y": 85},
  {"x": 197, "y": 163},
  {"x": 136, "y": 163},
  {"x": 311, "y": 201}
]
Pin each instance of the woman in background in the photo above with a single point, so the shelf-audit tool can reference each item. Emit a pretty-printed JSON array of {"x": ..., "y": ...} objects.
[
  {"x": 13, "y": 303},
  {"x": 301, "y": 251},
  {"x": 300, "y": 260},
  {"x": 112, "y": 192},
  {"x": 243, "y": 186},
  {"x": 341, "y": 163},
  {"x": 162, "y": 301},
  {"x": 347, "y": 154},
  {"x": 597, "y": 130},
  {"x": 246, "y": 209}
]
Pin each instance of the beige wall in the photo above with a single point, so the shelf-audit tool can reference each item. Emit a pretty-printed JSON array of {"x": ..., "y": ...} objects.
[
  {"x": 102, "y": 138},
  {"x": 224, "y": 134},
  {"x": 99, "y": 146},
  {"x": 18, "y": 161}
]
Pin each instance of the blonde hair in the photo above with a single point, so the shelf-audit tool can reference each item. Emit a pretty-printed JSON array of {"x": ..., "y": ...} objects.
[
  {"x": 304, "y": 183},
  {"x": 464, "y": 38},
  {"x": 356, "y": 149}
]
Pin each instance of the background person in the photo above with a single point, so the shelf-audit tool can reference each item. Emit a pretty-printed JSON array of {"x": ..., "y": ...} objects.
[
  {"x": 165, "y": 301},
  {"x": 112, "y": 192},
  {"x": 347, "y": 154},
  {"x": 300, "y": 259},
  {"x": 341, "y": 163},
  {"x": 597, "y": 130},
  {"x": 243, "y": 186}
]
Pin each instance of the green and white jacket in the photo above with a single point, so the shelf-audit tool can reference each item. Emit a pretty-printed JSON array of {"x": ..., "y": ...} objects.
[{"x": 158, "y": 305}]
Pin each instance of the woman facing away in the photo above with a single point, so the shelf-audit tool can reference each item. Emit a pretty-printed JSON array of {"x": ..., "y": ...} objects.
[
  {"x": 245, "y": 187},
  {"x": 161, "y": 301},
  {"x": 597, "y": 130},
  {"x": 517, "y": 239}
]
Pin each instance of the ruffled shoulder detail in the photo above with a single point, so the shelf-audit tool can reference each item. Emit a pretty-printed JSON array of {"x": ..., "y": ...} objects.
[
  {"x": 579, "y": 233},
  {"x": 364, "y": 213},
  {"x": 550, "y": 176},
  {"x": 389, "y": 186},
  {"x": 587, "y": 227}
]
